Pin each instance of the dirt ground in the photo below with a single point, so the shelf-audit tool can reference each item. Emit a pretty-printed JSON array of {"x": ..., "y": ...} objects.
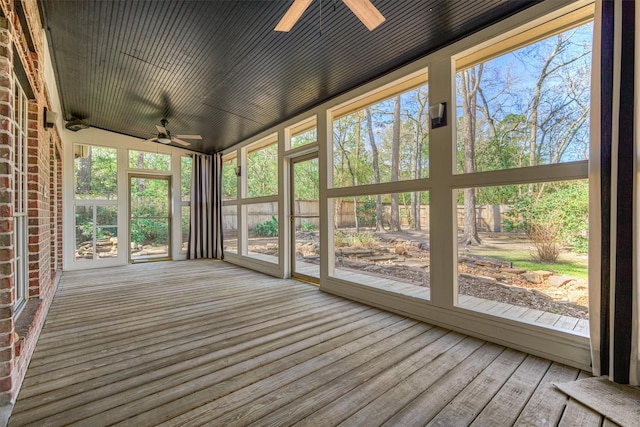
[
  {"x": 478, "y": 276},
  {"x": 405, "y": 256}
]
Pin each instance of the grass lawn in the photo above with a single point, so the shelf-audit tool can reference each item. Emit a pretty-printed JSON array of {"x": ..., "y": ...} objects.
[{"x": 568, "y": 264}]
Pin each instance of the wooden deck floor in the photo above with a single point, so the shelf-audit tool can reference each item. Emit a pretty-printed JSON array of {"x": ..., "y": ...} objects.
[{"x": 208, "y": 343}]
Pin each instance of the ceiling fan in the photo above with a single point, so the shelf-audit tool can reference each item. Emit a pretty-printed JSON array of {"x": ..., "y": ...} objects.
[
  {"x": 165, "y": 137},
  {"x": 363, "y": 9}
]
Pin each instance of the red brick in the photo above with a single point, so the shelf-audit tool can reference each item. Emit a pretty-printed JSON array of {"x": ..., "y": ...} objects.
[
  {"x": 6, "y": 327},
  {"x": 6, "y": 225},
  {"x": 6, "y": 384},
  {"x": 6, "y": 211},
  {"x": 6, "y": 297},
  {"x": 6, "y": 368}
]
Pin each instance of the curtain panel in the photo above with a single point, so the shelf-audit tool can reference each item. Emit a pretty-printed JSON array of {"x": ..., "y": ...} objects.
[
  {"x": 205, "y": 229},
  {"x": 613, "y": 236}
]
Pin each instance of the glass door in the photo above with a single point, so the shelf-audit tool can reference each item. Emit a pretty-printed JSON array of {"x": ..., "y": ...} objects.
[
  {"x": 305, "y": 217},
  {"x": 149, "y": 217}
]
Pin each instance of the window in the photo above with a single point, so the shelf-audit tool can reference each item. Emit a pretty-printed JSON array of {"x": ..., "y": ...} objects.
[
  {"x": 229, "y": 178},
  {"x": 527, "y": 107},
  {"x": 21, "y": 187},
  {"x": 149, "y": 161},
  {"x": 96, "y": 172},
  {"x": 96, "y": 205},
  {"x": 230, "y": 228},
  {"x": 304, "y": 133},
  {"x": 262, "y": 169},
  {"x": 522, "y": 238},
  {"x": 378, "y": 242},
  {"x": 262, "y": 231},
  {"x": 381, "y": 238},
  {"x": 386, "y": 140},
  {"x": 186, "y": 171}
]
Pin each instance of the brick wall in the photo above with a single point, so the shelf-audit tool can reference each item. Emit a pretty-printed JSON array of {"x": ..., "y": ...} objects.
[
  {"x": 19, "y": 334},
  {"x": 7, "y": 290}
]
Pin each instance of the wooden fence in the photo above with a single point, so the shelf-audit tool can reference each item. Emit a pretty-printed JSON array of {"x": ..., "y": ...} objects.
[{"x": 489, "y": 217}]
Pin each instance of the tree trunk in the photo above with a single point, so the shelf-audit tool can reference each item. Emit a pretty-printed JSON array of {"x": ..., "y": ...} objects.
[
  {"x": 395, "y": 165},
  {"x": 469, "y": 87},
  {"x": 376, "y": 170},
  {"x": 83, "y": 185}
]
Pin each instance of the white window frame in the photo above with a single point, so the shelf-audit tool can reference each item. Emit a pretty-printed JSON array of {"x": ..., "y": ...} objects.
[{"x": 21, "y": 197}]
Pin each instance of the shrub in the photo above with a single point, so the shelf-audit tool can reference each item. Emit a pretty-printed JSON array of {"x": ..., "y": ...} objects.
[
  {"x": 367, "y": 213},
  {"x": 545, "y": 241},
  {"x": 307, "y": 226},
  {"x": 268, "y": 228},
  {"x": 563, "y": 209}
]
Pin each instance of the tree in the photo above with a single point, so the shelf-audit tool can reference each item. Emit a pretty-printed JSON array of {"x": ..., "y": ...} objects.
[
  {"x": 470, "y": 81},
  {"x": 395, "y": 163},
  {"x": 414, "y": 128},
  {"x": 376, "y": 169}
]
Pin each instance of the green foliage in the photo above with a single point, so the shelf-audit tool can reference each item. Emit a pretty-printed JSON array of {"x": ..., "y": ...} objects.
[
  {"x": 151, "y": 161},
  {"x": 366, "y": 213},
  {"x": 262, "y": 171},
  {"x": 353, "y": 240},
  {"x": 307, "y": 226},
  {"x": 304, "y": 138},
  {"x": 565, "y": 205},
  {"x": 96, "y": 174},
  {"x": 229, "y": 179},
  {"x": 149, "y": 231},
  {"x": 149, "y": 211},
  {"x": 268, "y": 228},
  {"x": 306, "y": 180},
  {"x": 186, "y": 172}
]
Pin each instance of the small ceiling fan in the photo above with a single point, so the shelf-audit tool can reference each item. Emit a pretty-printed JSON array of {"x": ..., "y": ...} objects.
[
  {"x": 363, "y": 9},
  {"x": 165, "y": 137}
]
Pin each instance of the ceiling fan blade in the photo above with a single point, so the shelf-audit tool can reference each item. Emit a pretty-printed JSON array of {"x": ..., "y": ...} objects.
[
  {"x": 181, "y": 142},
  {"x": 366, "y": 12},
  {"x": 189, "y": 136},
  {"x": 292, "y": 15},
  {"x": 162, "y": 129}
]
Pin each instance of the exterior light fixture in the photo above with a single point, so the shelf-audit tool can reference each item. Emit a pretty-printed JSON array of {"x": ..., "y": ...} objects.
[
  {"x": 238, "y": 171},
  {"x": 438, "y": 115}
]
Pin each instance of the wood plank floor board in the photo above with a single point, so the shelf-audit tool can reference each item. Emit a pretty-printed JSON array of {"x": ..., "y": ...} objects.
[
  {"x": 168, "y": 304},
  {"x": 291, "y": 382},
  {"x": 582, "y": 327},
  {"x": 566, "y": 322},
  {"x": 341, "y": 383},
  {"x": 208, "y": 343},
  {"x": 432, "y": 400},
  {"x": 121, "y": 380},
  {"x": 183, "y": 325},
  {"x": 409, "y": 387},
  {"x": 515, "y": 393},
  {"x": 169, "y": 353},
  {"x": 172, "y": 363},
  {"x": 198, "y": 326},
  {"x": 546, "y": 405},
  {"x": 466, "y": 406},
  {"x": 234, "y": 385},
  {"x": 576, "y": 414}
]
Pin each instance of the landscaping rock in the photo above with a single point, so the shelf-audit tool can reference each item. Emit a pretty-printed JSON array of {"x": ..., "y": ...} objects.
[
  {"x": 559, "y": 281},
  {"x": 532, "y": 277},
  {"x": 480, "y": 278},
  {"x": 543, "y": 273},
  {"x": 512, "y": 270},
  {"x": 401, "y": 250}
]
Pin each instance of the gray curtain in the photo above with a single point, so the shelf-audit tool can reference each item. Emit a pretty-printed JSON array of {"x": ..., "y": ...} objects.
[
  {"x": 205, "y": 230},
  {"x": 614, "y": 291}
]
